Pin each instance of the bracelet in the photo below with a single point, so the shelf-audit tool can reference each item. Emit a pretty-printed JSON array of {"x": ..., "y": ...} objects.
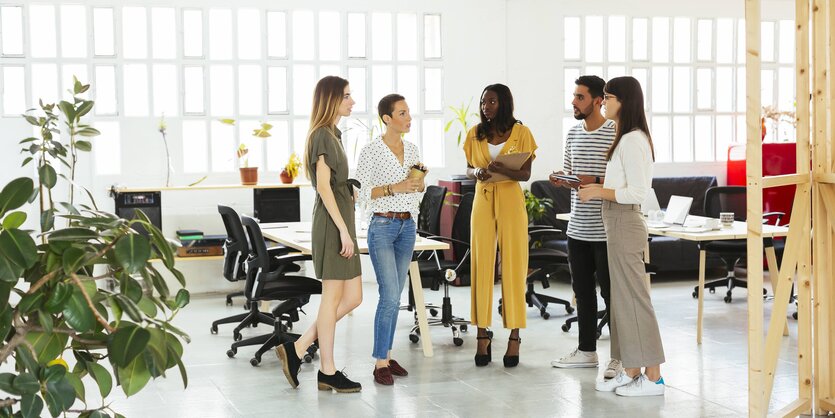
[{"x": 477, "y": 172}]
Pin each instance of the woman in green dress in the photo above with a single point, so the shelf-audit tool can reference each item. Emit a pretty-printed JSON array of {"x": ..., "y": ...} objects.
[{"x": 334, "y": 242}]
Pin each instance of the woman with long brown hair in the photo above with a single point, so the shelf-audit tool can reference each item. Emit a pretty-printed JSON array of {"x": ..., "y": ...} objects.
[
  {"x": 636, "y": 340},
  {"x": 334, "y": 242}
]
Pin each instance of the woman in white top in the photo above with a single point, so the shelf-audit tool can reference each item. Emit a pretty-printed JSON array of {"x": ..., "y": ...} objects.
[
  {"x": 634, "y": 328},
  {"x": 393, "y": 196}
]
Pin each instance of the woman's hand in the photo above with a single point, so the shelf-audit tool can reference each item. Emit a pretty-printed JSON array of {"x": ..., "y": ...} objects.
[
  {"x": 497, "y": 167},
  {"x": 481, "y": 174},
  {"x": 410, "y": 185},
  {"x": 560, "y": 182},
  {"x": 347, "y": 244},
  {"x": 589, "y": 191}
]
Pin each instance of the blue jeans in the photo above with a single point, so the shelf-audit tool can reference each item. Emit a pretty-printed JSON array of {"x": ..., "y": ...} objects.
[{"x": 390, "y": 245}]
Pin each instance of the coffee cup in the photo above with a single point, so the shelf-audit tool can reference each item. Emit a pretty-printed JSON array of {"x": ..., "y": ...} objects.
[
  {"x": 712, "y": 223},
  {"x": 417, "y": 171},
  {"x": 727, "y": 219}
]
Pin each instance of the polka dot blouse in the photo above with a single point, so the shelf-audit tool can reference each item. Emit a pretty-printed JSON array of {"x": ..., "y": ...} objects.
[{"x": 378, "y": 166}]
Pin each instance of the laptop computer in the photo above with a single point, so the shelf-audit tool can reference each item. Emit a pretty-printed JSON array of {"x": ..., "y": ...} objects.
[
  {"x": 650, "y": 203},
  {"x": 676, "y": 213}
]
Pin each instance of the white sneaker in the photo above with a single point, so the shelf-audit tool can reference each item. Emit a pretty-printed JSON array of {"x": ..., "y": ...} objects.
[
  {"x": 613, "y": 368},
  {"x": 577, "y": 359},
  {"x": 621, "y": 379},
  {"x": 642, "y": 386}
]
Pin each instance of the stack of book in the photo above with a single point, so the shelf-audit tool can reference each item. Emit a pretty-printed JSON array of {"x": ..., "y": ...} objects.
[{"x": 195, "y": 244}]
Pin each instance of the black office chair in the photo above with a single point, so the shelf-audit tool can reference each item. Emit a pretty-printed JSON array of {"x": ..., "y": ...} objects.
[
  {"x": 443, "y": 271},
  {"x": 267, "y": 280},
  {"x": 428, "y": 223},
  {"x": 730, "y": 199}
]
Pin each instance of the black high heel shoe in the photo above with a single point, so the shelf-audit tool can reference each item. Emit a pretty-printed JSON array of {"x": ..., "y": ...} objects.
[
  {"x": 481, "y": 360},
  {"x": 512, "y": 361}
]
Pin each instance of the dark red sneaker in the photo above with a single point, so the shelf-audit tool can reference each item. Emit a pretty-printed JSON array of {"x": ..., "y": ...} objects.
[
  {"x": 383, "y": 376},
  {"x": 397, "y": 369}
]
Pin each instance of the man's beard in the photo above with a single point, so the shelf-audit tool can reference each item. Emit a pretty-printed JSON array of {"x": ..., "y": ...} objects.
[{"x": 579, "y": 115}]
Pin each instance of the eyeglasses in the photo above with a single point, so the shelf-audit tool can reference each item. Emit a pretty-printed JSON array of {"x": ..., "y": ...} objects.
[{"x": 609, "y": 96}]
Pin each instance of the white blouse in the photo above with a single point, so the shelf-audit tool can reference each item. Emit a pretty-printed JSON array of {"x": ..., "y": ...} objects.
[
  {"x": 495, "y": 149},
  {"x": 629, "y": 172},
  {"x": 378, "y": 166}
]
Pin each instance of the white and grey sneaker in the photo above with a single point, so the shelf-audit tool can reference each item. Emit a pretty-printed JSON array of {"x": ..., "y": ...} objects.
[
  {"x": 642, "y": 386},
  {"x": 621, "y": 379},
  {"x": 613, "y": 368},
  {"x": 577, "y": 359}
]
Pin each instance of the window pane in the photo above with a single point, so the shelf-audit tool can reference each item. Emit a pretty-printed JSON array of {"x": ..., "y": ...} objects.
[
  {"x": 135, "y": 84},
  {"x": 682, "y": 101},
  {"x": 413, "y": 136},
  {"x": 660, "y": 39},
  {"x": 724, "y": 136},
  {"x": 407, "y": 86},
  {"x": 594, "y": 69},
  {"x": 356, "y": 35},
  {"x": 567, "y": 124},
  {"x": 195, "y": 146},
  {"x": 571, "y": 38},
  {"x": 277, "y": 89},
  {"x": 433, "y": 87},
  {"x": 704, "y": 89},
  {"x": 278, "y": 147},
  {"x": 681, "y": 46},
  {"x": 617, "y": 38},
  {"x": 221, "y": 91},
  {"x": 250, "y": 90},
  {"x": 249, "y": 34},
  {"x": 640, "y": 39},
  {"x": 44, "y": 83},
  {"x": 740, "y": 90},
  {"x": 703, "y": 143},
  {"x": 740, "y": 37},
  {"x": 303, "y": 85},
  {"x": 67, "y": 84},
  {"x": 223, "y": 147},
  {"x": 705, "y": 40},
  {"x": 108, "y": 151},
  {"x": 277, "y": 34},
  {"x": 615, "y": 71},
  {"x": 11, "y": 29},
  {"x": 594, "y": 39},
  {"x": 767, "y": 87},
  {"x": 767, "y": 41},
  {"x": 381, "y": 82},
  {"x": 724, "y": 40},
  {"x": 73, "y": 31},
  {"x": 165, "y": 90},
  {"x": 193, "y": 33},
  {"x": 407, "y": 36},
  {"x": 14, "y": 90},
  {"x": 641, "y": 74},
  {"x": 741, "y": 130},
  {"x": 381, "y": 36},
  {"x": 682, "y": 139},
  {"x": 103, "y": 39},
  {"x": 786, "y": 85},
  {"x": 433, "y": 142},
  {"x": 724, "y": 89},
  {"x": 570, "y": 74},
  {"x": 303, "y": 35},
  {"x": 193, "y": 90},
  {"x": 330, "y": 36},
  {"x": 432, "y": 36},
  {"x": 786, "y": 39},
  {"x": 164, "y": 37},
  {"x": 220, "y": 34},
  {"x": 105, "y": 88},
  {"x": 300, "y": 128},
  {"x": 660, "y": 89},
  {"x": 660, "y": 130},
  {"x": 255, "y": 156},
  {"x": 134, "y": 32},
  {"x": 42, "y": 30},
  {"x": 358, "y": 133},
  {"x": 356, "y": 75}
]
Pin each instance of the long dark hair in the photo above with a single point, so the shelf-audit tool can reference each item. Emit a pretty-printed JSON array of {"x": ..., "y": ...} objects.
[
  {"x": 628, "y": 92},
  {"x": 504, "y": 119}
]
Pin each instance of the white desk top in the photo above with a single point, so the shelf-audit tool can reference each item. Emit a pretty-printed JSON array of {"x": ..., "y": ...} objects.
[
  {"x": 297, "y": 235},
  {"x": 210, "y": 187}
]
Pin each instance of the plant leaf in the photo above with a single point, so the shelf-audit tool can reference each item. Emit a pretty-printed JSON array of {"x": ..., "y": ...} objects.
[
  {"x": 102, "y": 378},
  {"x": 26, "y": 384},
  {"x": 147, "y": 307},
  {"x": 14, "y": 220},
  {"x": 84, "y": 108},
  {"x": 48, "y": 346},
  {"x": 59, "y": 396},
  {"x": 182, "y": 298},
  {"x": 84, "y": 146},
  {"x": 128, "y": 307},
  {"x": 46, "y": 320},
  {"x": 30, "y": 302},
  {"x": 73, "y": 259},
  {"x": 77, "y": 313},
  {"x": 73, "y": 234},
  {"x": 6, "y": 383},
  {"x": 61, "y": 293},
  {"x": 130, "y": 288},
  {"x": 227, "y": 121},
  {"x": 31, "y": 406},
  {"x": 126, "y": 343},
  {"x": 47, "y": 219},
  {"x": 134, "y": 376},
  {"x": 48, "y": 176},
  {"x": 75, "y": 381},
  {"x": 132, "y": 252},
  {"x": 15, "y": 194}
]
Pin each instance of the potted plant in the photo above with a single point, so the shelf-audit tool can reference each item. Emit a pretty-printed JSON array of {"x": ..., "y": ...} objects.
[
  {"x": 249, "y": 175},
  {"x": 291, "y": 170},
  {"x": 462, "y": 116}
]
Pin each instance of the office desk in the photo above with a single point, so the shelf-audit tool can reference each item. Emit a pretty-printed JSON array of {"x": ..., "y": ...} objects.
[
  {"x": 739, "y": 230},
  {"x": 297, "y": 235}
]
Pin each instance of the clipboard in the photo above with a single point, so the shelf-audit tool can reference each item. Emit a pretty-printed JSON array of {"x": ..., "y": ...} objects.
[{"x": 513, "y": 161}]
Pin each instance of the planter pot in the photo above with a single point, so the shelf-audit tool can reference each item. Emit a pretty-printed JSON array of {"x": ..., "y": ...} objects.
[
  {"x": 249, "y": 176},
  {"x": 285, "y": 177}
]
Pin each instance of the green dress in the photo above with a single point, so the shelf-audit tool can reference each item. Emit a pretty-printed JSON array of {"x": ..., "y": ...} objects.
[{"x": 326, "y": 243}]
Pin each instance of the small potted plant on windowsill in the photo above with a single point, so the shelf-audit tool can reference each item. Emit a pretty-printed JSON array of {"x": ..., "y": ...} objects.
[
  {"x": 291, "y": 170},
  {"x": 249, "y": 175}
]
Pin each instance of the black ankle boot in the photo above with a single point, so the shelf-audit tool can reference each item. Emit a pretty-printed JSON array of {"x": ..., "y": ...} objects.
[
  {"x": 481, "y": 360},
  {"x": 338, "y": 382},
  {"x": 512, "y": 361},
  {"x": 290, "y": 362}
]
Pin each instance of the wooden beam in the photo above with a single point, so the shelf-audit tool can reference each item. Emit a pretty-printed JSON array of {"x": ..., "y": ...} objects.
[
  {"x": 825, "y": 178},
  {"x": 827, "y": 404},
  {"x": 793, "y": 409},
  {"x": 785, "y": 180}
]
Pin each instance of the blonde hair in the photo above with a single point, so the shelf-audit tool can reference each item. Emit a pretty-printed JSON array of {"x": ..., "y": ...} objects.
[{"x": 327, "y": 97}]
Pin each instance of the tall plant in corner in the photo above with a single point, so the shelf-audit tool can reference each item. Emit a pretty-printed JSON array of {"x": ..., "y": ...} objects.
[
  {"x": 462, "y": 116},
  {"x": 58, "y": 328}
]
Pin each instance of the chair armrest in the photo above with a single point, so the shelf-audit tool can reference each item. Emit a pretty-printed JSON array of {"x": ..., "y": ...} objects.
[
  {"x": 543, "y": 231},
  {"x": 278, "y": 251},
  {"x": 423, "y": 233},
  {"x": 446, "y": 239},
  {"x": 777, "y": 215},
  {"x": 292, "y": 258}
]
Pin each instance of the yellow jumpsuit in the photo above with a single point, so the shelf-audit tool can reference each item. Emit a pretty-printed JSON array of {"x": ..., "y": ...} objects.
[{"x": 499, "y": 217}]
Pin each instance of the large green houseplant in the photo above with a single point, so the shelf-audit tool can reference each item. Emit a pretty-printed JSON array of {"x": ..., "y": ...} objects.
[{"x": 51, "y": 310}]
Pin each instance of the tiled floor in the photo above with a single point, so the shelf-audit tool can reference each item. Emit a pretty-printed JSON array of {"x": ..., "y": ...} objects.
[{"x": 702, "y": 381}]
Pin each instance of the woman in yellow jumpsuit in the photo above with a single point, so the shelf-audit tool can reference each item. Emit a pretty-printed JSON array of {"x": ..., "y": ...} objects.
[{"x": 498, "y": 217}]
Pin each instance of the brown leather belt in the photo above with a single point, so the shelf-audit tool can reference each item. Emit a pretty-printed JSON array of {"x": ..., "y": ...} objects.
[{"x": 394, "y": 215}]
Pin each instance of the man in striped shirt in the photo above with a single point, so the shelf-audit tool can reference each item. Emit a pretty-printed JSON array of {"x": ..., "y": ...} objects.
[{"x": 585, "y": 157}]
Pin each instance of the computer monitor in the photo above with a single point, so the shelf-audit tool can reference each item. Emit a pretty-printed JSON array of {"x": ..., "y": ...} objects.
[
  {"x": 677, "y": 210},
  {"x": 650, "y": 203}
]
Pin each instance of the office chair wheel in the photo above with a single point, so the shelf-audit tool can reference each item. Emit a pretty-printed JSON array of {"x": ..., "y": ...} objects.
[
  {"x": 246, "y": 306},
  {"x": 544, "y": 314},
  {"x": 214, "y": 329},
  {"x": 254, "y": 362},
  {"x": 458, "y": 342},
  {"x": 569, "y": 309},
  {"x": 490, "y": 333},
  {"x": 794, "y": 315},
  {"x": 765, "y": 292},
  {"x": 500, "y": 309},
  {"x": 228, "y": 301},
  {"x": 566, "y": 327},
  {"x": 433, "y": 312},
  {"x": 599, "y": 334},
  {"x": 728, "y": 299},
  {"x": 237, "y": 336},
  {"x": 414, "y": 338},
  {"x": 463, "y": 327},
  {"x": 695, "y": 294},
  {"x": 712, "y": 290},
  {"x": 231, "y": 352}
]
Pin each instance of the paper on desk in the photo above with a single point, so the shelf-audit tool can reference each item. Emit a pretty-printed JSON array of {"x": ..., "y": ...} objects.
[{"x": 513, "y": 161}]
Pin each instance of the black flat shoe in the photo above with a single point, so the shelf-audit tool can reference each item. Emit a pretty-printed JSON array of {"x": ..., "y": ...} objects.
[
  {"x": 481, "y": 360},
  {"x": 512, "y": 361},
  {"x": 290, "y": 362},
  {"x": 338, "y": 382}
]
